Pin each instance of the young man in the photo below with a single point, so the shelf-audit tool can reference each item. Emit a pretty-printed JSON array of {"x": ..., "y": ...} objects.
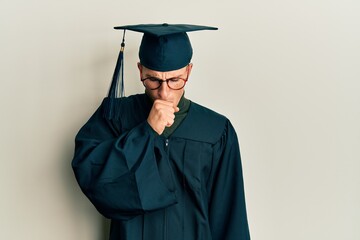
[{"x": 158, "y": 165}]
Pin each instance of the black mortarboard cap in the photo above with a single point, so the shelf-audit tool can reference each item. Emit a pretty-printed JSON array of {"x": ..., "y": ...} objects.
[{"x": 164, "y": 47}]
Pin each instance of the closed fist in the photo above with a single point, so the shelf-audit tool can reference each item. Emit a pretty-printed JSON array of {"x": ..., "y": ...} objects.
[{"x": 162, "y": 114}]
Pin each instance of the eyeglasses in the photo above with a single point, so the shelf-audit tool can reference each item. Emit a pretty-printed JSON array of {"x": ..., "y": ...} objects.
[{"x": 175, "y": 83}]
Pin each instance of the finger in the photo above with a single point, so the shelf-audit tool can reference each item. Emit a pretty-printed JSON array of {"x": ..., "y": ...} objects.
[
  {"x": 164, "y": 107},
  {"x": 170, "y": 114},
  {"x": 167, "y": 103},
  {"x": 169, "y": 123}
]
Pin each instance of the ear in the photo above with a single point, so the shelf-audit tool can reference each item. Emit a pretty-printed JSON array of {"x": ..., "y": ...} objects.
[
  {"x": 140, "y": 68},
  {"x": 190, "y": 66}
]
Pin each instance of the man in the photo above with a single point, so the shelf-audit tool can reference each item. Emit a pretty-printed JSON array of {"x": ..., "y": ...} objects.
[{"x": 158, "y": 165}]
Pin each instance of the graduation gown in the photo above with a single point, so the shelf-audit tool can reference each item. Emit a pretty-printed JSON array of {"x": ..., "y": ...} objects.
[{"x": 188, "y": 186}]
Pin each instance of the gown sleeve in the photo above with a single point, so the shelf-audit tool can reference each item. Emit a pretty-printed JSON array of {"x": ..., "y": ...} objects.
[
  {"x": 227, "y": 210},
  {"x": 119, "y": 172}
]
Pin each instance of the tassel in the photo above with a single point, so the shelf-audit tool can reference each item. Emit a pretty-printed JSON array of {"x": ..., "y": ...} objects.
[{"x": 116, "y": 90}]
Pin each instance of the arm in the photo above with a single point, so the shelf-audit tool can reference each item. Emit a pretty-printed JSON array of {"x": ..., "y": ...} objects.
[
  {"x": 227, "y": 210},
  {"x": 119, "y": 174}
]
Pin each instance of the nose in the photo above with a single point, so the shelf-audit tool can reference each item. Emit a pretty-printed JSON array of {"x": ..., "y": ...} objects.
[{"x": 164, "y": 91}]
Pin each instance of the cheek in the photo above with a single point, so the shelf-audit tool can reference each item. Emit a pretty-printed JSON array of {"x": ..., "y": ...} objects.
[
  {"x": 152, "y": 94},
  {"x": 178, "y": 94}
]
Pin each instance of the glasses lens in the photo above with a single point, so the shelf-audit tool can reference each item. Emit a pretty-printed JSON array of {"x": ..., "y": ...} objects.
[
  {"x": 152, "y": 83},
  {"x": 176, "y": 83}
]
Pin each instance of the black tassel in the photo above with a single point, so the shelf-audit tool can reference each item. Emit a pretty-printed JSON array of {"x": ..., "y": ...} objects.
[{"x": 116, "y": 90}]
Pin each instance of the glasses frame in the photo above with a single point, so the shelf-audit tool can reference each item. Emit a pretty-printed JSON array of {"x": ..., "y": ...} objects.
[{"x": 161, "y": 81}]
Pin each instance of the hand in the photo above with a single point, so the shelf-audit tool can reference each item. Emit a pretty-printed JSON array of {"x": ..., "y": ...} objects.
[{"x": 162, "y": 114}]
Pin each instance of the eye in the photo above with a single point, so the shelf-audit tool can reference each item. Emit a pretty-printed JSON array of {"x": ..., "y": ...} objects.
[{"x": 174, "y": 80}]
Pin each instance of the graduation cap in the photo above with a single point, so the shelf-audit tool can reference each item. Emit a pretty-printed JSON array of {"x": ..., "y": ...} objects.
[{"x": 164, "y": 47}]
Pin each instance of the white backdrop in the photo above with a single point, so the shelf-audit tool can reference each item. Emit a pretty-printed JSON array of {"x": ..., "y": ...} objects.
[{"x": 285, "y": 72}]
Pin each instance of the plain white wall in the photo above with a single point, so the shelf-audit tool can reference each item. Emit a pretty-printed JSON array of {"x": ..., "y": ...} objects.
[{"x": 285, "y": 72}]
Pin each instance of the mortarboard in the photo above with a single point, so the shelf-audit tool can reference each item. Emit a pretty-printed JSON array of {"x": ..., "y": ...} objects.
[{"x": 164, "y": 47}]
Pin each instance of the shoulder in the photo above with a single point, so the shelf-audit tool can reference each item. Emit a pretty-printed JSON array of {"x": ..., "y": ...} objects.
[
  {"x": 124, "y": 102},
  {"x": 203, "y": 124},
  {"x": 211, "y": 117},
  {"x": 126, "y": 112},
  {"x": 118, "y": 108}
]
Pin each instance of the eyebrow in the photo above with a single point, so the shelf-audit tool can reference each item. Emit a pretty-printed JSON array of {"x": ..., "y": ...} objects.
[{"x": 152, "y": 76}]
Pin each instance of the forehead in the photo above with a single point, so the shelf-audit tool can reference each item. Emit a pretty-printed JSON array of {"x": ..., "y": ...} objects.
[{"x": 151, "y": 72}]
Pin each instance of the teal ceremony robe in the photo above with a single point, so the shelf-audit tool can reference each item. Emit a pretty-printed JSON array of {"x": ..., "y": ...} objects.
[{"x": 188, "y": 186}]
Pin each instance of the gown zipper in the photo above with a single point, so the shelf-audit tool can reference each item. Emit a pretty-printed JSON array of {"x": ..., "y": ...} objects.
[{"x": 165, "y": 210}]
